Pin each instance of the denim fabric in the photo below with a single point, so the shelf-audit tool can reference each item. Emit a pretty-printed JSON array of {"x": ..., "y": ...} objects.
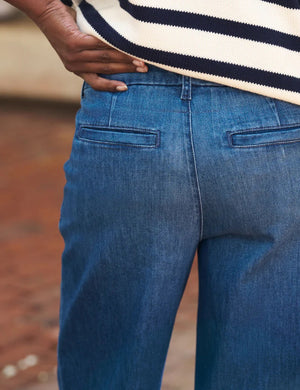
[{"x": 172, "y": 166}]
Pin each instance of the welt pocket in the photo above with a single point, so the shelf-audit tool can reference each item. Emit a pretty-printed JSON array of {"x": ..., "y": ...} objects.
[
  {"x": 122, "y": 136},
  {"x": 283, "y": 134}
]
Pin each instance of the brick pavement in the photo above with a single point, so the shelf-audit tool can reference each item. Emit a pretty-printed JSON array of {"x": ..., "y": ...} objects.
[{"x": 35, "y": 142}]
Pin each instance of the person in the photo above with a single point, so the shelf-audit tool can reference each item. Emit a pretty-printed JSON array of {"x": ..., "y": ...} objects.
[{"x": 198, "y": 152}]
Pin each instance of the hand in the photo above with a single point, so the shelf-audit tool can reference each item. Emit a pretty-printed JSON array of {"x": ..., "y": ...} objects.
[{"x": 84, "y": 54}]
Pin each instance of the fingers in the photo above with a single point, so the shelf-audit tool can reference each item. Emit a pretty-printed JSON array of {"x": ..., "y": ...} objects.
[
  {"x": 101, "y": 84},
  {"x": 89, "y": 42},
  {"x": 108, "y": 55},
  {"x": 104, "y": 68},
  {"x": 104, "y": 60},
  {"x": 90, "y": 48},
  {"x": 91, "y": 56}
]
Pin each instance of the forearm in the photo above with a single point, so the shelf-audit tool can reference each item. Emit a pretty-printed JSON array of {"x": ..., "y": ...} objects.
[{"x": 36, "y": 8}]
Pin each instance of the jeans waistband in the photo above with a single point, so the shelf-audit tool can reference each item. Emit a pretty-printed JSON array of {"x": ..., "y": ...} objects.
[{"x": 159, "y": 76}]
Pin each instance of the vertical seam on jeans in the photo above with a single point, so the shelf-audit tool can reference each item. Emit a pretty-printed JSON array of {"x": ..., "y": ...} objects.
[
  {"x": 195, "y": 168},
  {"x": 186, "y": 88},
  {"x": 273, "y": 106}
]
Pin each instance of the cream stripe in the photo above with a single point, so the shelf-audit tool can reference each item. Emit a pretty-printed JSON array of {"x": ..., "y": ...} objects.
[
  {"x": 204, "y": 44},
  {"x": 255, "y": 12}
]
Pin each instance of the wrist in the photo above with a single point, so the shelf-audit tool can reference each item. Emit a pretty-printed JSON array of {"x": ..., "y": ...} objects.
[
  {"x": 35, "y": 9},
  {"x": 39, "y": 10}
]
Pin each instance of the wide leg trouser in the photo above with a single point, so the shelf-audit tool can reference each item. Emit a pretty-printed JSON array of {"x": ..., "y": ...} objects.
[{"x": 171, "y": 166}]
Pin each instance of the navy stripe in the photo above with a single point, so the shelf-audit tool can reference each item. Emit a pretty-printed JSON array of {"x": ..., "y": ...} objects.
[
  {"x": 197, "y": 64},
  {"x": 212, "y": 24},
  {"x": 68, "y": 2},
  {"x": 285, "y": 3}
]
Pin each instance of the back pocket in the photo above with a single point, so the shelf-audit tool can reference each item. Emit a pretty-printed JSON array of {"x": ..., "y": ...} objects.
[
  {"x": 110, "y": 135},
  {"x": 275, "y": 135}
]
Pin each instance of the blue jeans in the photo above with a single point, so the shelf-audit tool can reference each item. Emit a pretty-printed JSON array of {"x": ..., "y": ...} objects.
[{"x": 173, "y": 166}]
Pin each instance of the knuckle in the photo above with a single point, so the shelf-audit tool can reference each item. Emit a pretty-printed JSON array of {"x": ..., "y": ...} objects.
[
  {"x": 104, "y": 56},
  {"x": 106, "y": 68},
  {"x": 69, "y": 57},
  {"x": 71, "y": 45}
]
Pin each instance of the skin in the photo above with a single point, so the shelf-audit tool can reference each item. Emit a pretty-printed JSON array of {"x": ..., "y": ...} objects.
[{"x": 82, "y": 54}]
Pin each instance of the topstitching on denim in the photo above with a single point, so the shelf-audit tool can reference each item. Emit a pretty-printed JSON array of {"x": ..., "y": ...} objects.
[
  {"x": 195, "y": 169},
  {"x": 186, "y": 94}
]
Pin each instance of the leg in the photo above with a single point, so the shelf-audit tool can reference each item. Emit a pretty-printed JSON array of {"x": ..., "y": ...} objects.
[
  {"x": 130, "y": 221},
  {"x": 248, "y": 329}
]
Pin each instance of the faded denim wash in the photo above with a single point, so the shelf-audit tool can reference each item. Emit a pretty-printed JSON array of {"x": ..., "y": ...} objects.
[{"x": 173, "y": 166}]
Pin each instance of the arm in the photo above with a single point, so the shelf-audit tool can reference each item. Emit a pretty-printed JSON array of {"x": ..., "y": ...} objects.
[
  {"x": 80, "y": 53},
  {"x": 34, "y": 8}
]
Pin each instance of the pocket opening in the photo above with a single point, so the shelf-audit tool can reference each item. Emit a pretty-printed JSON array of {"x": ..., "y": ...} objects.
[
  {"x": 109, "y": 135},
  {"x": 256, "y": 137}
]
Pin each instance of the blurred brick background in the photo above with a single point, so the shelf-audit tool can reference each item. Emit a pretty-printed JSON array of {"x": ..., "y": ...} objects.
[
  {"x": 38, "y": 102},
  {"x": 35, "y": 142}
]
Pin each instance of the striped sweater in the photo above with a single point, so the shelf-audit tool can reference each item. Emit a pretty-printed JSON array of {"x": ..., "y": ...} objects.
[{"x": 253, "y": 45}]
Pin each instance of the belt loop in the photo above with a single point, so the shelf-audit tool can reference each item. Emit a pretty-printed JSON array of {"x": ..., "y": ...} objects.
[{"x": 186, "y": 90}]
